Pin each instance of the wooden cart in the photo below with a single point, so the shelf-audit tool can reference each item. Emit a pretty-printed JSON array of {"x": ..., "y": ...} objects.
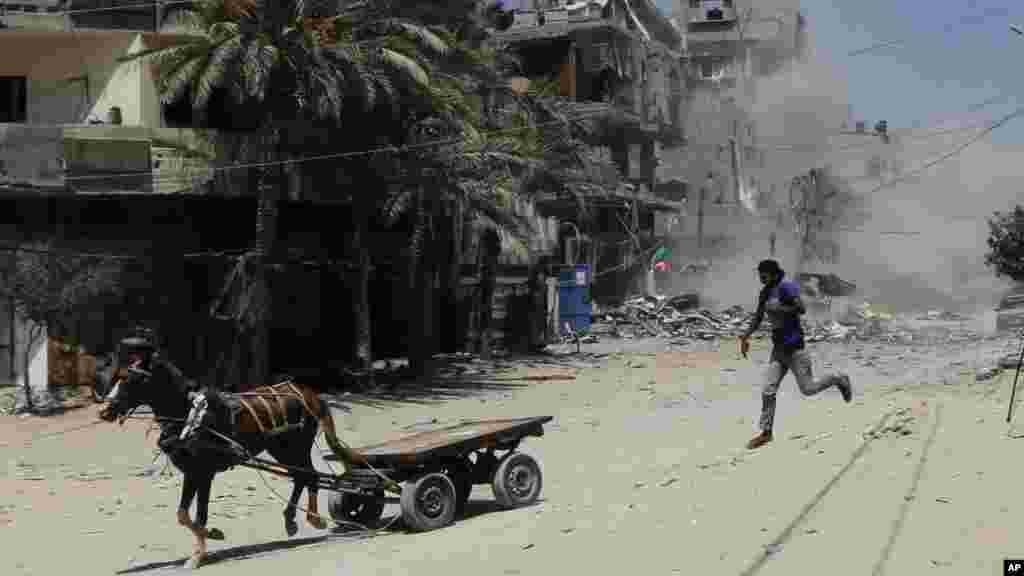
[{"x": 439, "y": 469}]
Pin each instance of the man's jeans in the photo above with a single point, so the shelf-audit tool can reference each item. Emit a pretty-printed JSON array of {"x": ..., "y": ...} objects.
[{"x": 783, "y": 361}]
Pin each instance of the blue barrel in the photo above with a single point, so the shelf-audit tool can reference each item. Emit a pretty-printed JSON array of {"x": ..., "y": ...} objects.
[{"x": 574, "y": 305}]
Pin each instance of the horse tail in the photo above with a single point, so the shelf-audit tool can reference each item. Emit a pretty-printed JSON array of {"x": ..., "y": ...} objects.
[{"x": 341, "y": 451}]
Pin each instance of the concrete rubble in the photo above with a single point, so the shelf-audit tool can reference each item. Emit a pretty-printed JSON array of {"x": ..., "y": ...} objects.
[
  {"x": 670, "y": 317},
  {"x": 681, "y": 318}
]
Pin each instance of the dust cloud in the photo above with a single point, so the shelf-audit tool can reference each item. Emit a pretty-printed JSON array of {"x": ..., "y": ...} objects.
[{"x": 918, "y": 244}]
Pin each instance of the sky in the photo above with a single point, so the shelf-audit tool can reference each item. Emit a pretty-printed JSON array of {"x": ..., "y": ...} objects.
[
  {"x": 952, "y": 64},
  {"x": 954, "y": 55}
]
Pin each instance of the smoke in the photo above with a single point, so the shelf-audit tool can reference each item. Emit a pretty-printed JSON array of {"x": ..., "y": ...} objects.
[
  {"x": 946, "y": 209},
  {"x": 797, "y": 103},
  {"x": 921, "y": 243}
]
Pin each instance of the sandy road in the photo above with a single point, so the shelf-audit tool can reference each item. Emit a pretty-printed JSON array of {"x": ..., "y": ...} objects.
[{"x": 644, "y": 469}]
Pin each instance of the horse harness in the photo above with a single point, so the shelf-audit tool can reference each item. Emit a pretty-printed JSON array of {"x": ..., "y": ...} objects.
[{"x": 278, "y": 415}]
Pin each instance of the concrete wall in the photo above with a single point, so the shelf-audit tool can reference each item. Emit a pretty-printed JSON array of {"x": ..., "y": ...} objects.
[
  {"x": 38, "y": 359},
  {"x": 74, "y": 77},
  {"x": 31, "y": 155},
  {"x": 123, "y": 87},
  {"x": 5, "y": 342}
]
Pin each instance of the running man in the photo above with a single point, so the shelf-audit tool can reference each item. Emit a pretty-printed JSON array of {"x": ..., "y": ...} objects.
[{"x": 780, "y": 300}]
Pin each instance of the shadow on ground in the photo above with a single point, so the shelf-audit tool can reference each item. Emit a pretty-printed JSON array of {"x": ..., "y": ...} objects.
[
  {"x": 339, "y": 535},
  {"x": 61, "y": 400},
  {"x": 462, "y": 375}
]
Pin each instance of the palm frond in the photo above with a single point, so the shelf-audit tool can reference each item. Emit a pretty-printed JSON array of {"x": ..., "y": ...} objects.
[
  {"x": 403, "y": 64},
  {"x": 214, "y": 72},
  {"x": 398, "y": 204},
  {"x": 261, "y": 59},
  {"x": 325, "y": 93},
  {"x": 173, "y": 86},
  {"x": 386, "y": 91},
  {"x": 422, "y": 35}
]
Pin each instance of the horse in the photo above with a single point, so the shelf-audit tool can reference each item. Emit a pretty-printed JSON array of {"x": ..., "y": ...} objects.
[{"x": 281, "y": 419}]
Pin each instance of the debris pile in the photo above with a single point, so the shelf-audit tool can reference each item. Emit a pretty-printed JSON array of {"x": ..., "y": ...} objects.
[
  {"x": 677, "y": 316},
  {"x": 943, "y": 315},
  {"x": 680, "y": 317}
]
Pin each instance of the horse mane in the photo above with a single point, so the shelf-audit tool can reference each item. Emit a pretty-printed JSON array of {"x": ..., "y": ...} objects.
[{"x": 183, "y": 382}]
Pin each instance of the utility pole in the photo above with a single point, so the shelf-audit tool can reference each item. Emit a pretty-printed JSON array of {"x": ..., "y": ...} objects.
[
  {"x": 700, "y": 219},
  {"x": 804, "y": 216},
  {"x": 805, "y": 242}
]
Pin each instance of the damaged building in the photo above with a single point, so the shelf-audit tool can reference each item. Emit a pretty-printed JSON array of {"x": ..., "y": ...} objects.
[
  {"x": 730, "y": 44},
  {"x": 621, "y": 65}
]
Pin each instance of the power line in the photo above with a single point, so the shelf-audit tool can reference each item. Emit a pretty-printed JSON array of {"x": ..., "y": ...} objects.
[
  {"x": 876, "y": 46},
  {"x": 202, "y": 172},
  {"x": 894, "y": 43},
  {"x": 106, "y": 9},
  {"x": 864, "y": 146},
  {"x": 956, "y": 151},
  {"x": 210, "y": 254},
  {"x": 887, "y": 233},
  {"x": 114, "y": 256},
  {"x": 901, "y": 131},
  {"x": 337, "y": 155}
]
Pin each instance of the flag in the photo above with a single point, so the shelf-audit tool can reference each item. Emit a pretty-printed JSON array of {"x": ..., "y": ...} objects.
[{"x": 661, "y": 259}]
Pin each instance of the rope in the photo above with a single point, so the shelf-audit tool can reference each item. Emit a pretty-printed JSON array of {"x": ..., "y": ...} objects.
[
  {"x": 367, "y": 531},
  {"x": 350, "y": 154}
]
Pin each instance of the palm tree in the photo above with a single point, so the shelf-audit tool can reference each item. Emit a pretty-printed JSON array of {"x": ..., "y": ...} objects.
[
  {"x": 288, "y": 70},
  {"x": 484, "y": 172},
  {"x": 375, "y": 70}
]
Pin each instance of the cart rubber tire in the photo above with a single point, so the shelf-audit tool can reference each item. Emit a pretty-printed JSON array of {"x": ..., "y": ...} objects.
[
  {"x": 346, "y": 508},
  {"x": 517, "y": 481},
  {"x": 429, "y": 503}
]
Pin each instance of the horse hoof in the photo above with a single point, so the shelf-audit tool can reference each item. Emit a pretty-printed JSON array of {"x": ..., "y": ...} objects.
[
  {"x": 214, "y": 534},
  {"x": 291, "y": 527}
]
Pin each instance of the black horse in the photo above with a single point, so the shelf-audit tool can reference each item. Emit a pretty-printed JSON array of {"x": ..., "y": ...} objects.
[{"x": 283, "y": 420}]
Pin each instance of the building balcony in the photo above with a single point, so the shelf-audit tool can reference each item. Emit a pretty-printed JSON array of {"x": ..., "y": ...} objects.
[
  {"x": 712, "y": 40},
  {"x": 711, "y": 12}
]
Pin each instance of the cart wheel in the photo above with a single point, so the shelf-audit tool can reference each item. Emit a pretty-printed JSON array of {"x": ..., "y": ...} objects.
[
  {"x": 461, "y": 475},
  {"x": 429, "y": 503},
  {"x": 517, "y": 481},
  {"x": 354, "y": 508}
]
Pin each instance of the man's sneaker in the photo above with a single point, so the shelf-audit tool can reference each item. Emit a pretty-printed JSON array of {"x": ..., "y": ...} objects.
[
  {"x": 845, "y": 388},
  {"x": 759, "y": 440}
]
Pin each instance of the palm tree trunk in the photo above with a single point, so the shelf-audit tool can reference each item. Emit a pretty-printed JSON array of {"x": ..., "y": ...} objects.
[
  {"x": 490, "y": 247},
  {"x": 361, "y": 298},
  {"x": 449, "y": 276},
  {"x": 266, "y": 232},
  {"x": 458, "y": 232},
  {"x": 423, "y": 348}
]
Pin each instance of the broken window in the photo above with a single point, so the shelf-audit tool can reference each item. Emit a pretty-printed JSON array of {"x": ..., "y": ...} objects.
[
  {"x": 708, "y": 69},
  {"x": 13, "y": 99}
]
